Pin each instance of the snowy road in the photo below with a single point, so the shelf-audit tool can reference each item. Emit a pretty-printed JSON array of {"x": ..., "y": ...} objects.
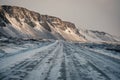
[{"x": 60, "y": 61}]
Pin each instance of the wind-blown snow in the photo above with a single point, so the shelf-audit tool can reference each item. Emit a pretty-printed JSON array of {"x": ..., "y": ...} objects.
[{"x": 61, "y": 61}]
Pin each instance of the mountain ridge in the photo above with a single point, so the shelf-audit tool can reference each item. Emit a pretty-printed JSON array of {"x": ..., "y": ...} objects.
[
  {"x": 23, "y": 23},
  {"x": 19, "y": 22},
  {"x": 99, "y": 36}
]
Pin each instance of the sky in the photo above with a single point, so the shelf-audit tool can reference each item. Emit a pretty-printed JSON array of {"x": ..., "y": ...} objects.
[{"x": 102, "y": 15}]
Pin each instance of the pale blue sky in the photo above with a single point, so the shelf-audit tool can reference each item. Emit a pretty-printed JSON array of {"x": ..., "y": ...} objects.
[{"x": 102, "y": 15}]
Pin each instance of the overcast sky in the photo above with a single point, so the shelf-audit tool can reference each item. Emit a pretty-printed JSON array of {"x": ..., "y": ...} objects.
[{"x": 102, "y": 15}]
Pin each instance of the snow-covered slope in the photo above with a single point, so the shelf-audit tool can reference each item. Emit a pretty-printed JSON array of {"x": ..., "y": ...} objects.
[
  {"x": 97, "y": 36},
  {"x": 18, "y": 22}
]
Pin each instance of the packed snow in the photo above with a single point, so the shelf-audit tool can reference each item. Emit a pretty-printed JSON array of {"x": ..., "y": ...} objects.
[{"x": 58, "y": 60}]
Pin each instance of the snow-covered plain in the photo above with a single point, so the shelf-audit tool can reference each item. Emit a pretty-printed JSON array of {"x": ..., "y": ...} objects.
[{"x": 58, "y": 60}]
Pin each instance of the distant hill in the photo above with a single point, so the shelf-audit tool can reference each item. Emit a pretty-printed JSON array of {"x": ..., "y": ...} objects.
[{"x": 18, "y": 22}]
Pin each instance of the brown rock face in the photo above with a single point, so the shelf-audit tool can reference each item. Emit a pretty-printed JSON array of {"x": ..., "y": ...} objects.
[{"x": 20, "y": 22}]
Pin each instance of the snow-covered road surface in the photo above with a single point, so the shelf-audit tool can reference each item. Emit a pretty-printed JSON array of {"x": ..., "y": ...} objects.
[{"x": 60, "y": 61}]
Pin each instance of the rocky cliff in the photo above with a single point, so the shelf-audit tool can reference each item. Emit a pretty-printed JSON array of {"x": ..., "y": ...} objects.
[{"x": 18, "y": 22}]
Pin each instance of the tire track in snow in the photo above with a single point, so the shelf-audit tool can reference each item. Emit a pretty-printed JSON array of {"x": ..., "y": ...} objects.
[
  {"x": 58, "y": 71},
  {"x": 63, "y": 62},
  {"x": 103, "y": 65},
  {"x": 42, "y": 72},
  {"x": 83, "y": 69},
  {"x": 21, "y": 70},
  {"x": 112, "y": 58},
  {"x": 111, "y": 66},
  {"x": 52, "y": 64},
  {"x": 71, "y": 70}
]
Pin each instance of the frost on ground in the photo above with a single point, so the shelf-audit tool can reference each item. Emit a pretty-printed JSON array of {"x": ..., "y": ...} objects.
[{"x": 58, "y": 60}]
